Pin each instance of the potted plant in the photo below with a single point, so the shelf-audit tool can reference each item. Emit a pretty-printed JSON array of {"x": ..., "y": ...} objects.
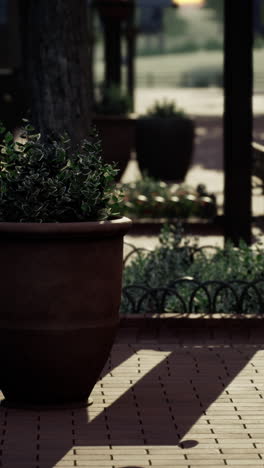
[
  {"x": 115, "y": 125},
  {"x": 164, "y": 140},
  {"x": 61, "y": 256}
]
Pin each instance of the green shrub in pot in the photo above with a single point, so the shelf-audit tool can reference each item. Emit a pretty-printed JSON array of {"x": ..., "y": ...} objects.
[
  {"x": 165, "y": 109},
  {"x": 52, "y": 182},
  {"x": 61, "y": 253}
]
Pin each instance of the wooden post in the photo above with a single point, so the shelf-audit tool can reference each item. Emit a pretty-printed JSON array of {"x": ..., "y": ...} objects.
[
  {"x": 131, "y": 35},
  {"x": 112, "y": 45},
  {"x": 238, "y": 77},
  {"x": 113, "y": 13}
]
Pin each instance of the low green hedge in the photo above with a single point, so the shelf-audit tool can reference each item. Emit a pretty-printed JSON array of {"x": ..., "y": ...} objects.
[{"x": 179, "y": 277}]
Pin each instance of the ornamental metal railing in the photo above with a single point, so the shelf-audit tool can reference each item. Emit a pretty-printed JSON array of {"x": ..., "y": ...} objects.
[{"x": 187, "y": 295}]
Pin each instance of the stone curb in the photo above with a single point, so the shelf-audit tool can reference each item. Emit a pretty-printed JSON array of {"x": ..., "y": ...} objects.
[{"x": 191, "y": 321}]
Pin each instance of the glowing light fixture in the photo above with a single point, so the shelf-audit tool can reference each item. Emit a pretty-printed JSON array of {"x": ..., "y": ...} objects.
[{"x": 188, "y": 2}]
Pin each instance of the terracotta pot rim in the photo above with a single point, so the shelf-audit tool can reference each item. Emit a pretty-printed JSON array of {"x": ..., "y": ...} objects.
[{"x": 85, "y": 228}]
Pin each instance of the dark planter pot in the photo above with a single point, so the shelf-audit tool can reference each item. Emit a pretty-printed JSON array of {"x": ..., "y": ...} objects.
[
  {"x": 60, "y": 297},
  {"x": 164, "y": 147},
  {"x": 117, "y": 135}
]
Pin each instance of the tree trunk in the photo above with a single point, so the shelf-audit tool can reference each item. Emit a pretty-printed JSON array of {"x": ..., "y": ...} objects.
[{"x": 58, "y": 54}]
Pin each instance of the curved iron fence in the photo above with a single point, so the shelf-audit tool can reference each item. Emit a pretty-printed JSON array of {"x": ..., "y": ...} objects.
[{"x": 187, "y": 295}]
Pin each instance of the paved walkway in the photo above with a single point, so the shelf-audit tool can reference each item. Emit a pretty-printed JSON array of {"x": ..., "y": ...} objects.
[{"x": 185, "y": 401}]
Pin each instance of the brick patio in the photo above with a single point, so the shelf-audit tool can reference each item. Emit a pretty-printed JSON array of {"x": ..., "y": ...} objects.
[{"x": 181, "y": 399}]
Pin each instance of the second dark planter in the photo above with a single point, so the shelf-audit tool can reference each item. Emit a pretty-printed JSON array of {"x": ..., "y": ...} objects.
[
  {"x": 117, "y": 135},
  {"x": 164, "y": 146}
]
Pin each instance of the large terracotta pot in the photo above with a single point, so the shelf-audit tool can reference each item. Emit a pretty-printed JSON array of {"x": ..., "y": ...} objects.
[
  {"x": 164, "y": 146},
  {"x": 60, "y": 297},
  {"x": 117, "y": 135}
]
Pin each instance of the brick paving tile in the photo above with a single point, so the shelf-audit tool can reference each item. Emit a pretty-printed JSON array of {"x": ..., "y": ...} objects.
[
  {"x": 245, "y": 462},
  {"x": 237, "y": 446},
  {"x": 204, "y": 461},
  {"x": 238, "y": 450},
  {"x": 143, "y": 466},
  {"x": 247, "y": 456}
]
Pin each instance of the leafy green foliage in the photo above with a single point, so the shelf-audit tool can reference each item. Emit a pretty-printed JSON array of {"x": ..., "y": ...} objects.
[
  {"x": 177, "y": 257},
  {"x": 53, "y": 182},
  {"x": 166, "y": 262},
  {"x": 151, "y": 198},
  {"x": 112, "y": 102},
  {"x": 165, "y": 109}
]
